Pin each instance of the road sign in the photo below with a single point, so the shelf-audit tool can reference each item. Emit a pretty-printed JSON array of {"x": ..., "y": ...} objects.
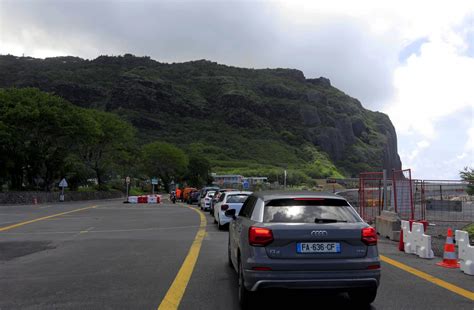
[
  {"x": 154, "y": 181},
  {"x": 245, "y": 184},
  {"x": 127, "y": 180},
  {"x": 63, "y": 183}
]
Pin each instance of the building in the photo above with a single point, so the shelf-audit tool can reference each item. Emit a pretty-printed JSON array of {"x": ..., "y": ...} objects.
[
  {"x": 256, "y": 180},
  {"x": 227, "y": 179}
]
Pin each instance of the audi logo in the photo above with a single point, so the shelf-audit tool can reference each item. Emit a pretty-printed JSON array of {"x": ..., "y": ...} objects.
[{"x": 319, "y": 233}]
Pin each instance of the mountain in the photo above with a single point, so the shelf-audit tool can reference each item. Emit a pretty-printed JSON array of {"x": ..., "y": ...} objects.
[{"x": 250, "y": 121}]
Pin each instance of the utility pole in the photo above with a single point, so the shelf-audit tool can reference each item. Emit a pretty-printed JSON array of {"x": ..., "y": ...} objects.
[{"x": 284, "y": 181}]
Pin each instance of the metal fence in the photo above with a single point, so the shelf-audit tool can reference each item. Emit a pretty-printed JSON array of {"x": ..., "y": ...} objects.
[
  {"x": 444, "y": 201},
  {"x": 431, "y": 200}
]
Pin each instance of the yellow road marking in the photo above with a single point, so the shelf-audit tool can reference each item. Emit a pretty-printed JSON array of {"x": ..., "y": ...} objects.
[
  {"x": 451, "y": 287},
  {"x": 42, "y": 218},
  {"x": 178, "y": 287}
]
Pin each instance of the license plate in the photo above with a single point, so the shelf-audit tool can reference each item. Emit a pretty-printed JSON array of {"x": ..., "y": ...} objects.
[{"x": 318, "y": 247}]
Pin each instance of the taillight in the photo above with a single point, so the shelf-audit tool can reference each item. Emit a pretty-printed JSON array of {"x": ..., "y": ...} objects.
[
  {"x": 369, "y": 236},
  {"x": 260, "y": 236},
  {"x": 224, "y": 207}
]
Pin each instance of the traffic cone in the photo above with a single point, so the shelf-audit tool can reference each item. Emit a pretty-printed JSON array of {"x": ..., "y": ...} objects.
[{"x": 449, "y": 255}]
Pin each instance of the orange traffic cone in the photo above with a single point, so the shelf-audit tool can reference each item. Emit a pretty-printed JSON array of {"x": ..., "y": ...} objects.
[{"x": 449, "y": 256}]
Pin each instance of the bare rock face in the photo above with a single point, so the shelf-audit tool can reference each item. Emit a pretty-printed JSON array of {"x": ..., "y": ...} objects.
[{"x": 322, "y": 81}]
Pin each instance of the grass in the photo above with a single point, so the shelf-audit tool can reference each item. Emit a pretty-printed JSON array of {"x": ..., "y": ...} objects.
[
  {"x": 470, "y": 230},
  {"x": 135, "y": 192}
]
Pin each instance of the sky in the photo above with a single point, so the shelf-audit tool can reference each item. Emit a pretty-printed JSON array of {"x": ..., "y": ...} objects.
[{"x": 413, "y": 60}]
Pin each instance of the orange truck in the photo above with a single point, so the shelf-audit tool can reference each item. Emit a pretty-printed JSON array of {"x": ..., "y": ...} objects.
[{"x": 186, "y": 192}]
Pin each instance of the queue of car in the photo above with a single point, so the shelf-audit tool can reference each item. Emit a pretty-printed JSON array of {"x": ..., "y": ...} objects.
[{"x": 295, "y": 240}]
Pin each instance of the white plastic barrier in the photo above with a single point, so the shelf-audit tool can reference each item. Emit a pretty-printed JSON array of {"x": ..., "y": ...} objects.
[
  {"x": 408, "y": 238},
  {"x": 422, "y": 241},
  {"x": 415, "y": 241},
  {"x": 152, "y": 199},
  {"x": 465, "y": 252},
  {"x": 133, "y": 199}
]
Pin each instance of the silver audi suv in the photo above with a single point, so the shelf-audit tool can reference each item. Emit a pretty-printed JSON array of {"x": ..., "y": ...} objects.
[{"x": 303, "y": 240}]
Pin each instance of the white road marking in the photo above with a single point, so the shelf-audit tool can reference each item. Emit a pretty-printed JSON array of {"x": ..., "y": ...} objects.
[{"x": 86, "y": 231}]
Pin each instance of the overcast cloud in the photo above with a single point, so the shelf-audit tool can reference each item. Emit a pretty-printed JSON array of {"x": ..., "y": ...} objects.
[{"x": 414, "y": 61}]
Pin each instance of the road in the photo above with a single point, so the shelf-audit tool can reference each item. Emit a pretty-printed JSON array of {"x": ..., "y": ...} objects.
[{"x": 106, "y": 254}]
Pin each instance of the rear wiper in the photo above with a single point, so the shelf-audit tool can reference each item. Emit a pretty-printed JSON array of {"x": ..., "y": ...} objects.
[{"x": 319, "y": 221}]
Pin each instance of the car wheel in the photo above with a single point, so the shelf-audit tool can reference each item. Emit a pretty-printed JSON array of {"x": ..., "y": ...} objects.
[
  {"x": 219, "y": 226},
  {"x": 363, "y": 296},
  {"x": 245, "y": 296}
]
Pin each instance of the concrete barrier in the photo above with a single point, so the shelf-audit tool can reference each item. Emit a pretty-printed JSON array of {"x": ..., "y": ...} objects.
[
  {"x": 30, "y": 197},
  {"x": 465, "y": 252},
  {"x": 388, "y": 225}
]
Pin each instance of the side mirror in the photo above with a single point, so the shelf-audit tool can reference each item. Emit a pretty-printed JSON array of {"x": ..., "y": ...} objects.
[{"x": 230, "y": 213}]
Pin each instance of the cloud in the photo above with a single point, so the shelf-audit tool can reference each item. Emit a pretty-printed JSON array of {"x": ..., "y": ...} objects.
[{"x": 241, "y": 33}]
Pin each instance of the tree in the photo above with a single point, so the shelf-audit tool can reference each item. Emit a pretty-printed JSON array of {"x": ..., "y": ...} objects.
[
  {"x": 199, "y": 170},
  {"x": 44, "y": 138},
  {"x": 37, "y": 131},
  {"x": 164, "y": 160},
  {"x": 105, "y": 144},
  {"x": 468, "y": 175}
]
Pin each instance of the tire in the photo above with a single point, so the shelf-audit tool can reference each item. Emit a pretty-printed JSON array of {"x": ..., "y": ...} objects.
[
  {"x": 246, "y": 297},
  {"x": 363, "y": 296},
  {"x": 219, "y": 226}
]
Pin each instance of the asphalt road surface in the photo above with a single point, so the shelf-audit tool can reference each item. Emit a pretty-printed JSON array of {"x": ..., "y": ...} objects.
[{"x": 106, "y": 254}]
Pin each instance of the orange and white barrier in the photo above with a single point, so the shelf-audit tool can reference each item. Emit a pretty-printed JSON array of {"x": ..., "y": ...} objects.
[
  {"x": 415, "y": 240},
  {"x": 465, "y": 252}
]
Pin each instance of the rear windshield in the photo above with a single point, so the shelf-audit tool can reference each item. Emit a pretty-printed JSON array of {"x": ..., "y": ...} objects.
[
  {"x": 236, "y": 198},
  {"x": 305, "y": 210}
]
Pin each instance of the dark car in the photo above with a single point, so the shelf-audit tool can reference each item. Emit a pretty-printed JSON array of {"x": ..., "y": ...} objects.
[
  {"x": 194, "y": 197},
  {"x": 302, "y": 241}
]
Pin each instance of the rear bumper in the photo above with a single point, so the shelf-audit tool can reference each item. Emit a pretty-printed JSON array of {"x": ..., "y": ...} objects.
[{"x": 348, "y": 279}]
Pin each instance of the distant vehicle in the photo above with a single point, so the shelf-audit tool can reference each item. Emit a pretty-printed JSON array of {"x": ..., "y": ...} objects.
[
  {"x": 227, "y": 201},
  {"x": 302, "y": 240},
  {"x": 206, "y": 200},
  {"x": 194, "y": 197},
  {"x": 179, "y": 194},
  {"x": 173, "y": 197},
  {"x": 186, "y": 192},
  {"x": 216, "y": 198},
  {"x": 203, "y": 192}
]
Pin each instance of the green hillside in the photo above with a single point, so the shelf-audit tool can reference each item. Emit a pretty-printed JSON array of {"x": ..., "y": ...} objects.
[{"x": 244, "y": 121}]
